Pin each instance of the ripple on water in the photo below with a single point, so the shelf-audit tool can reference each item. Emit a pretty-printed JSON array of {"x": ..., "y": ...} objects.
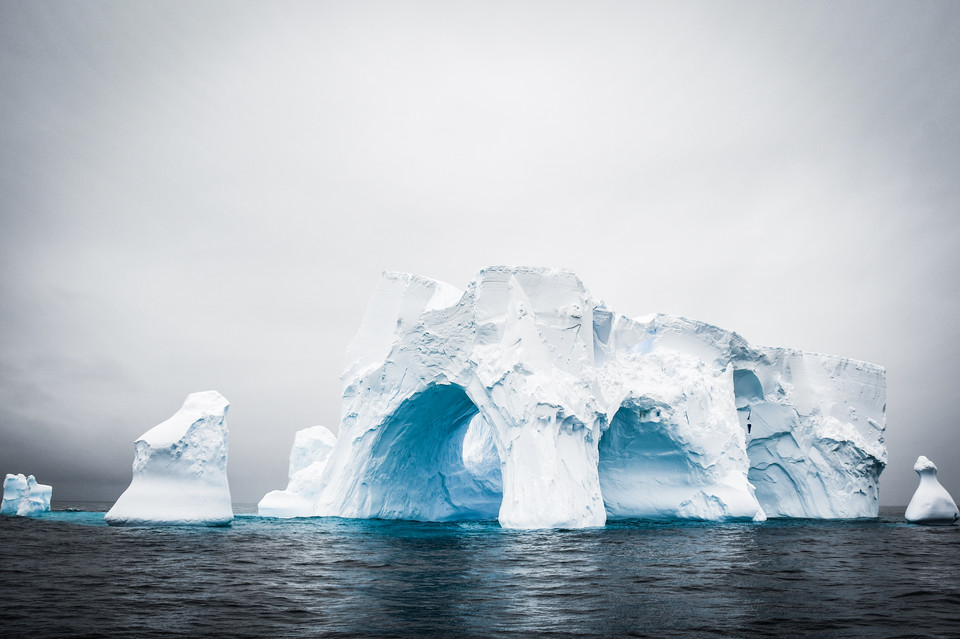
[{"x": 343, "y": 578}]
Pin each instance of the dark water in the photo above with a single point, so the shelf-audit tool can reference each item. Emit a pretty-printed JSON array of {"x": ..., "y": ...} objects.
[{"x": 341, "y": 578}]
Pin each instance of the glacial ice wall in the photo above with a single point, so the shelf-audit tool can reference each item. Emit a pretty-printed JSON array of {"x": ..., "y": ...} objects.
[
  {"x": 180, "y": 469},
  {"x": 526, "y": 399}
]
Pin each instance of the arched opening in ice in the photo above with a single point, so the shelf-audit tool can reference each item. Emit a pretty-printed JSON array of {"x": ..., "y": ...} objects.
[
  {"x": 435, "y": 460},
  {"x": 747, "y": 391},
  {"x": 644, "y": 470},
  {"x": 746, "y": 386}
]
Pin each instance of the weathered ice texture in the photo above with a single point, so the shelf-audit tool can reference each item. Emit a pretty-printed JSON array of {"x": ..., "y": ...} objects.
[
  {"x": 526, "y": 399},
  {"x": 815, "y": 445},
  {"x": 23, "y": 496},
  {"x": 931, "y": 504},
  {"x": 308, "y": 457},
  {"x": 180, "y": 469}
]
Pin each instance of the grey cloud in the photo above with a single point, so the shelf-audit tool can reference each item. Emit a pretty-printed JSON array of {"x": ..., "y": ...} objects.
[{"x": 200, "y": 196}]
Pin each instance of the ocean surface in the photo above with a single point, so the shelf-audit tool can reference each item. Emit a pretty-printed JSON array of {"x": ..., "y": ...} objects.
[{"x": 69, "y": 575}]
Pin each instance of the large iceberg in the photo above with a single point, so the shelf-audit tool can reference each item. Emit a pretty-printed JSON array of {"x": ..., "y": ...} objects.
[
  {"x": 23, "y": 496},
  {"x": 180, "y": 469},
  {"x": 931, "y": 503},
  {"x": 308, "y": 457},
  {"x": 525, "y": 399}
]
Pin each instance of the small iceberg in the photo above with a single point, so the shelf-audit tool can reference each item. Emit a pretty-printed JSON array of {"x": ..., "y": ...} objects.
[
  {"x": 308, "y": 458},
  {"x": 23, "y": 496},
  {"x": 931, "y": 504},
  {"x": 180, "y": 470}
]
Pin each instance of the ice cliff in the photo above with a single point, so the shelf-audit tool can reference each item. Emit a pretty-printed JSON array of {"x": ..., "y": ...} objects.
[
  {"x": 931, "y": 503},
  {"x": 526, "y": 399},
  {"x": 23, "y": 496},
  {"x": 180, "y": 469},
  {"x": 308, "y": 457}
]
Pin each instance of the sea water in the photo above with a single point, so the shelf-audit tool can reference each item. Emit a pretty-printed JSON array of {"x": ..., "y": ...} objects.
[{"x": 67, "y": 574}]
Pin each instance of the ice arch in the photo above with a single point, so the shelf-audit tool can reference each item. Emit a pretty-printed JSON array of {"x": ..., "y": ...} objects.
[
  {"x": 418, "y": 469},
  {"x": 644, "y": 471}
]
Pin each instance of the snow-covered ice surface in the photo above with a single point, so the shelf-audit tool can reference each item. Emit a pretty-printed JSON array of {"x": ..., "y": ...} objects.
[
  {"x": 23, "y": 496},
  {"x": 526, "y": 399},
  {"x": 308, "y": 457},
  {"x": 931, "y": 504},
  {"x": 180, "y": 469}
]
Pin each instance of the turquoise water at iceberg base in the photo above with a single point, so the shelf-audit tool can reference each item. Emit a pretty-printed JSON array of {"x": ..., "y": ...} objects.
[{"x": 67, "y": 574}]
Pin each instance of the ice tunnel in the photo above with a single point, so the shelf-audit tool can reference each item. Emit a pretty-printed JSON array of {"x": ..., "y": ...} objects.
[
  {"x": 644, "y": 470},
  {"x": 434, "y": 459},
  {"x": 746, "y": 386},
  {"x": 747, "y": 392}
]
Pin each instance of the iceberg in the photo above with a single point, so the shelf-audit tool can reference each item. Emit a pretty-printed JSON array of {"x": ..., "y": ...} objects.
[
  {"x": 308, "y": 457},
  {"x": 23, "y": 496},
  {"x": 525, "y": 399},
  {"x": 931, "y": 504},
  {"x": 14, "y": 489},
  {"x": 180, "y": 469}
]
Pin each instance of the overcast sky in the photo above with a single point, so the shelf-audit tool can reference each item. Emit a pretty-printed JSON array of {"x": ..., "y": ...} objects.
[{"x": 201, "y": 195}]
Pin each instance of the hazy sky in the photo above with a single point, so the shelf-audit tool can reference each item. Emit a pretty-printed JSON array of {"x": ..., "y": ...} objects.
[{"x": 201, "y": 195}]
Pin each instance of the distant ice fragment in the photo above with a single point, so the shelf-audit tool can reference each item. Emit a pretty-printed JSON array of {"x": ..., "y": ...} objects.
[
  {"x": 180, "y": 469},
  {"x": 23, "y": 496},
  {"x": 931, "y": 504},
  {"x": 308, "y": 457}
]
